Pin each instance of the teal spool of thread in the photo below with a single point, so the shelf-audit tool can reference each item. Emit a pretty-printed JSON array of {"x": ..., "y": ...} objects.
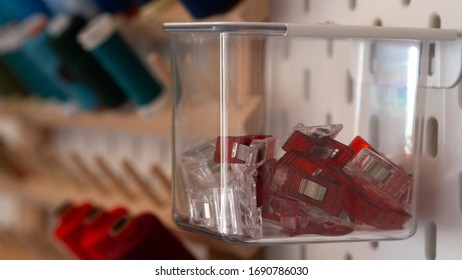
[
  {"x": 10, "y": 86},
  {"x": 102, "y": 40},
  {"x": 17, "y": 10},
  {"x": 22, "y": 66},
  {"x": 38, "y": 49},
  {"x": 63, "y": 31},
  {"x": 34, "y": 80}
]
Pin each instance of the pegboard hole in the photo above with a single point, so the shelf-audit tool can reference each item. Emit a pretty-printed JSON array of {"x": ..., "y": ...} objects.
[
  {"x": 460, "y": 97},
  {"x": 330, "y": 48},
  {"x": 430, "y": 241},
  {"x": 306, "y": 84},
  {"x": 435, "y": 21},
  {"x": 431, "y": 59},
  {"x": 328, "y": 118},
  {"x": 306, "y": 6},
  {"x": 432, "y": 137},
  {"x": 421, "y": 52},
  {"x": 352, "y": 4},
  {"x": 285, "y": 126},
  {"x": 460, "y": 191},
  {"x": 373, "y": 55},
  {"x": 377, "y": 22},
  {"x": 405, "y": 3},
  {"x": 374, "y": 129},
  {"x": 420, "y": 134},
  {"x": 286, "y": 49},
  {"x": 349, "y": 88}
]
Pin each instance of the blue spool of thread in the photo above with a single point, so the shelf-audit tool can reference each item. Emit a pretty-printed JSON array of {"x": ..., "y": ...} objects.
[
  {"x": 6, "y": 15},
  {"x": 16, "y": 10},
  {"x": 63, "y": 31},
  {"x": 39, "y": 51},
  {"x": 102, "y": 40},
  {"x": 35, "y": 62},
  {"x": 115, "y": 6},
  {"x": 23, "y": 67},
  {"x": 205, "y": 8},
  {"x": 56, "y": 6}
]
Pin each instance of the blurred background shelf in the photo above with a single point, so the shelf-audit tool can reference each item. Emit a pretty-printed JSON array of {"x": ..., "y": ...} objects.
[
  {"x": 54, "y": 150},
  {"x": 130, "y": 121}
]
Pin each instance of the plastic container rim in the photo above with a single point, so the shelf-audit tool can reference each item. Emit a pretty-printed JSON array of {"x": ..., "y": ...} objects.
[{"x": 322, "y": 30}]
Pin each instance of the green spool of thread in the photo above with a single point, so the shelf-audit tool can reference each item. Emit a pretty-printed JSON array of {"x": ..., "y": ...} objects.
[
  {"x": 9, "y": 85},
  {"x": 101, "y": 39},
  {"x": 63, "y": 31}
]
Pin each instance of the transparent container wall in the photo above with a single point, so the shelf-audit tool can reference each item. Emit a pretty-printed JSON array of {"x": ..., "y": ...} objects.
[
  {"x": 247, "y": 171},
  {"x": 388, "y": 96}
]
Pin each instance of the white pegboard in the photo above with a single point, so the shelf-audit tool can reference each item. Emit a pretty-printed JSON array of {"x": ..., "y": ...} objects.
[{"x": 439, "y": 196}]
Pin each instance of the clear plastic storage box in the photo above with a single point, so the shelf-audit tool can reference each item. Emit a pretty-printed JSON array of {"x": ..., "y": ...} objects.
[{"x": 256, "y": 159}]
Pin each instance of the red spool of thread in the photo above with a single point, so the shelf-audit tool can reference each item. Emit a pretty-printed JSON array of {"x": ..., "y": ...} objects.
[
  {"x": 145, "y": 238},
  {"x": 96, "y": 240},
  {"x": 71, "y": 227}
]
